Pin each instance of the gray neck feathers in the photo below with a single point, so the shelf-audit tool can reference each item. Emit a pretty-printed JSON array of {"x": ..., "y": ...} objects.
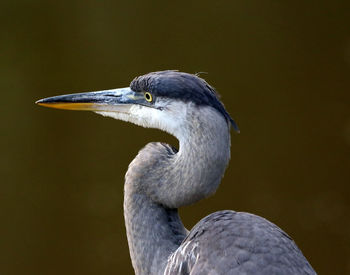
[{"x": 160, "y": 180}]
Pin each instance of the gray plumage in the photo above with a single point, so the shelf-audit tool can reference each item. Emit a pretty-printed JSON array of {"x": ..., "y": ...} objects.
[
  {"x": 228, "y": 242},
  {"x": 161, "y": 179}
]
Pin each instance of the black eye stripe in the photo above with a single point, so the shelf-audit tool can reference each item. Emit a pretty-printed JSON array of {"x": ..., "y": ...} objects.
[{"x": 181, "y": 86}]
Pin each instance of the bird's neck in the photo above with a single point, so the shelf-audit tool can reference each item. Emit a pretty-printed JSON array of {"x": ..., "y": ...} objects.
[
  {"x": 160, "y": 180},
  {"x": 153, "y": 232}
]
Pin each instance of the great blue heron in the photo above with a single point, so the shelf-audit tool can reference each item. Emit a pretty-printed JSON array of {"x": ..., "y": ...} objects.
[{"x": 161, "y": 179}]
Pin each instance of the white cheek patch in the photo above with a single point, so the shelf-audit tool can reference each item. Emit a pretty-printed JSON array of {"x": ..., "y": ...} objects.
[
  {"x": 168, "y": 119},
  {"x": 115, "y": 115},
  {"x": 164, "y": 119}
]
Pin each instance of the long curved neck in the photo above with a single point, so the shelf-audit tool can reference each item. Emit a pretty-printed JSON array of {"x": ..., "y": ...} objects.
[
  {"x": 153, "y": 232},
  {"x": 160, "y": 180}
]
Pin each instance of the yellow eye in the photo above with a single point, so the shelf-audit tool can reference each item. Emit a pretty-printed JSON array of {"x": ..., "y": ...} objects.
[{"x": 148, "y": 97}]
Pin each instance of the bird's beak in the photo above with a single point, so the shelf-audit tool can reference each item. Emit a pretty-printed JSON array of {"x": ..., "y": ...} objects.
[{"x": 103, "y": 101}]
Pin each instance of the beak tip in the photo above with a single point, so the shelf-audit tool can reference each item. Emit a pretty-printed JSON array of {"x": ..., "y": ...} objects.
[{"x": 40, "y": 102}]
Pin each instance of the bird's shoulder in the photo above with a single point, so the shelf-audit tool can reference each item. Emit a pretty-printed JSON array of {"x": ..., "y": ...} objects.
[{"x": 239, "y": 242}]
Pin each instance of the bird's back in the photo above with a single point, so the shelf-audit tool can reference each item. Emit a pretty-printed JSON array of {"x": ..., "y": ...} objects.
[{"x": 228, "y": 242}]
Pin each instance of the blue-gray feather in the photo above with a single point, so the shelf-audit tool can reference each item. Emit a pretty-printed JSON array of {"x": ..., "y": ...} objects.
[{"x": 237, "y": 243}]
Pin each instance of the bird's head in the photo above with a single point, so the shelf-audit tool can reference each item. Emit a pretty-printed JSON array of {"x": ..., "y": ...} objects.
[{"x": 156, "y": 100}]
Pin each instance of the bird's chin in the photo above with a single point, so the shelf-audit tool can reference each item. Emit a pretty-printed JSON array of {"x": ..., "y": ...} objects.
[
  {"x": 120, "y": 112},
  {"x": 137, "y": 114},
  {"x": 128, "y": 113},
  {"x": 125, "y": 116}
]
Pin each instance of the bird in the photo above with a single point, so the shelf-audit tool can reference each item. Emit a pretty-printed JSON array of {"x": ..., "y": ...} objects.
[{"x": 162, "y": 178}]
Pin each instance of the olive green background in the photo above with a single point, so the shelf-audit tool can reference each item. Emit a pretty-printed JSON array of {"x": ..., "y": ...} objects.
[{"x": 281, "y": 67}]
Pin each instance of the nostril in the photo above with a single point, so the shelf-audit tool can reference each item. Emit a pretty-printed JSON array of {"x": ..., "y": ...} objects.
[{"x": 113, "y": 95}]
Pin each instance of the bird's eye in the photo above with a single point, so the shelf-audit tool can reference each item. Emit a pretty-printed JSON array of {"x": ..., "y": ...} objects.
[{"x": 148, "y": 97}]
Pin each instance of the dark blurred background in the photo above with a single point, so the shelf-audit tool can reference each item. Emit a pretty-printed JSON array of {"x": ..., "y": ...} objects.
[{"x": 281, "y": 67}]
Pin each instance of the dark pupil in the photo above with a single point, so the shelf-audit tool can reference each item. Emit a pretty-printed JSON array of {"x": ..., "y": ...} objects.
[{"x": 148, "y": 97}]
